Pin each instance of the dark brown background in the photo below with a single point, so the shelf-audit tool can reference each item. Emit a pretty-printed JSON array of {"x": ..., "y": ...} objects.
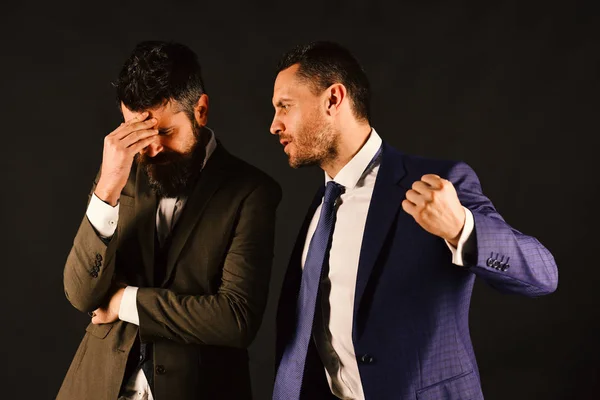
[{"x": 510, "y": 87}]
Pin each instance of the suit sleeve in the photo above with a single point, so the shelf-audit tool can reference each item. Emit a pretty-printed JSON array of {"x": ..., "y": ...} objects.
[
  {"x": 505, "y": 258},
  {"x": 90, "y": 265},
  {"x": 232, "y": 316}
]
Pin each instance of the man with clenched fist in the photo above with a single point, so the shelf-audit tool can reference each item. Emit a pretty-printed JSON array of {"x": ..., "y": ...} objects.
[
  {"x": 375, "y": 301},
  {"x": 173, "y": 257}
]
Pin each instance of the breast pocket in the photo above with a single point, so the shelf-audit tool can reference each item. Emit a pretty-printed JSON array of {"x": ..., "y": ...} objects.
[
  {"x": 99, "y": 331},
  {"x": 465, "y": 386}
]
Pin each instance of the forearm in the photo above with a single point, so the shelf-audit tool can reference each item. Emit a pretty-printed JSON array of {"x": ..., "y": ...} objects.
[
  {"x": 504, "y": 257},
  {"x": 89, "y": 268},
  {"x": 219, "y": 320},
  {"x": 511, "y": 261}
]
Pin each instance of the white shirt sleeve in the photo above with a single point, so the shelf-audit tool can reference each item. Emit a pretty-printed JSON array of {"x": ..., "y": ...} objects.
[
  {"x": 128, "y": 311},
  {"x": 457, "y": 252},
  {"x": 103, "y": 216}
]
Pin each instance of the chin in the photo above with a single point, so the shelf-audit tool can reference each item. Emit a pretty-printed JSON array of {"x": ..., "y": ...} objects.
[{"x": 292, "y": 161}]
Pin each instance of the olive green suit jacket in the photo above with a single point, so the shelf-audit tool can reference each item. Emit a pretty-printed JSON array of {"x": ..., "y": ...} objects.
[{"x": 205, "y": 312}]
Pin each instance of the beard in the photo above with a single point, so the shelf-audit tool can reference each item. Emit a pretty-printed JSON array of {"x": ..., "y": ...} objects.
[
  {"x": 315, "y": 142},
  {"x": 172, "y": 174}
]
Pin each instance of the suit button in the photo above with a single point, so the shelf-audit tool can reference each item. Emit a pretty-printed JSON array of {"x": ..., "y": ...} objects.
[
  {"x": 160, "y": 370},
  {"x": 490, "y": 262},
  {"x": 496, "y": 264},
  {"x": 94, "y": 274},
  {"x": 98, "y": 257},
  {"x": 98, "y": 263},
  {"x": 506, "y": 266},
  {"x": 367, "y": 359}
]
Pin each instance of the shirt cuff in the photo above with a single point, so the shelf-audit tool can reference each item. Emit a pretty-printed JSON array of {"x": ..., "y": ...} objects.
[
  {"x": 457, "y": 252},
  {"x": 128, "y": 311},
  {"x": 102, "y": 216}
]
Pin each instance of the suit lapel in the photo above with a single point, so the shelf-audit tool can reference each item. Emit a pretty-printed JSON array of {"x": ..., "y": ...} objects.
[
  {"x": 210, "y": 179},
  {"x": 145, "y": 213},
  {"x": 386, "y": 202}
]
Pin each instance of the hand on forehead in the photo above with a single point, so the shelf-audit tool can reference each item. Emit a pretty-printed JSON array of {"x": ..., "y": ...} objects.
[
  {"x": 138, "y": 115},
  {"x": 160, "y": 113}
]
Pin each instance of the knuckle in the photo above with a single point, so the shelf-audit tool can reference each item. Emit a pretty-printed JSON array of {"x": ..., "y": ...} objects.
[{"x": 425, "y": 213}]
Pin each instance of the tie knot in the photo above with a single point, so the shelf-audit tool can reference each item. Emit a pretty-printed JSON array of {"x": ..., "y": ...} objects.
[{"x": 333, "y": 190}]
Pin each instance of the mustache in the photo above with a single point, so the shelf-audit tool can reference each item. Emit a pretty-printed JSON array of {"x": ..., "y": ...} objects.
[{"x": 164, "y": 157}]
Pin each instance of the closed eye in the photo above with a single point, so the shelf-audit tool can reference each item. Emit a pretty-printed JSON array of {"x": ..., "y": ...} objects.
[{"x": 282, "y": 105}]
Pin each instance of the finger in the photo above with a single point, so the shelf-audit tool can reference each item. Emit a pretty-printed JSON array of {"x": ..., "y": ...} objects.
[
  {"x": 126, "y": 130},
  {"x": 141, "y": 144},
  {"x": 137, "y": 136},
  {"x": 124, "y": 124},
  {"x": 414, "y": 197},
  {"x": 422, "y": 188},
  {"x": 98, "y": 317},
  {"x": 409, "y": 207},
  {"x": 433, "y": 180},
  {"x": 138, "y": 117}
]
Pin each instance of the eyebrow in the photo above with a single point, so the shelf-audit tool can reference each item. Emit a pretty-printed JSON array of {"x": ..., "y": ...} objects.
[{"x": 281, "y": 101}]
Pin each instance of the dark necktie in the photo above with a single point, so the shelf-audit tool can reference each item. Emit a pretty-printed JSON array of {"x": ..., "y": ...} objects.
[{"x": 288, "y": 381}]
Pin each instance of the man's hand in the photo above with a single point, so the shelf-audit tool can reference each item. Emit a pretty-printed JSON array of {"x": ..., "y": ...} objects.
[
  {"x": 434, "y": 204},
  {"x": 120, "y": 147},
  {"x": 109, "y": 313}
]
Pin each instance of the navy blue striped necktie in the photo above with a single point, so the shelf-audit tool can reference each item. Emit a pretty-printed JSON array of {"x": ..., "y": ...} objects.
[{"x": 288, "y": 381}]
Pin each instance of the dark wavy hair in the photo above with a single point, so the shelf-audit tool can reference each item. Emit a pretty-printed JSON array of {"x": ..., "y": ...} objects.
[
  {"x": 324, "y": 63},
  {"x": 157, "y": 72}
]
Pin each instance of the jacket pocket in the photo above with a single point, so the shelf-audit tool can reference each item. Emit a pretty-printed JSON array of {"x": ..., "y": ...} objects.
[
  {"x": 99, "y": 331},
  {"x": 465, "y": 386}
]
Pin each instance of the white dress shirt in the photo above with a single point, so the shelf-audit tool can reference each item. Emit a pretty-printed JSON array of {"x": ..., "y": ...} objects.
[
  {"x": 104, "y": 218},
  {"x": 333, "y": 317}
]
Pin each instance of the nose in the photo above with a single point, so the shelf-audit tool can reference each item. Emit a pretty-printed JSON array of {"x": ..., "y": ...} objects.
[
  {"x": 277, "y": 127},
  {"x": 153, "y": 149}
]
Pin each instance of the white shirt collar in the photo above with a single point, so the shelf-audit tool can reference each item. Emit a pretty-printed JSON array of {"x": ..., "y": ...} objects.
[
  {"x": 210, "y": 146},
  {"x": 351, "y": 173}
]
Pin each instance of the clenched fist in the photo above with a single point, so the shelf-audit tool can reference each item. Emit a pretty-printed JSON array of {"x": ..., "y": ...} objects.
[
  {"x": 434, "y": 204},
  {"x": 120, "y": 147}
]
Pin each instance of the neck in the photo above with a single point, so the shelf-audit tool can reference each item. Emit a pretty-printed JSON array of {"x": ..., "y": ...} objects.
[{"x": 350, "y": 142}]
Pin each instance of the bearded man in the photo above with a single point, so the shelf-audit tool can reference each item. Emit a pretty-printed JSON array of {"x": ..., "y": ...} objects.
[{"x": 172, "y": 260}]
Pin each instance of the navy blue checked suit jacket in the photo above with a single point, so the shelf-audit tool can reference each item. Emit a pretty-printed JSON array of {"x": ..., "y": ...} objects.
[{"x": 410, "y": 327}]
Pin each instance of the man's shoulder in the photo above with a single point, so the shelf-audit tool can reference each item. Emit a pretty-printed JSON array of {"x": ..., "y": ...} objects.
[
  {"x": 416, "y": 164},
  {"x": 245, "y": 174}
]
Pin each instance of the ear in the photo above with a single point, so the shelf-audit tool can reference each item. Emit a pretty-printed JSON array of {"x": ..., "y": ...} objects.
[
  {"x": 201, "y": 110},
  {"x": 336, "y": 97}
]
